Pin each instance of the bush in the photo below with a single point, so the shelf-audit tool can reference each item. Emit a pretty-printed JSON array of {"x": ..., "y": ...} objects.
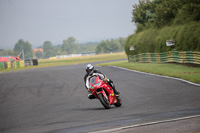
[{"x": 187, "y": 38}]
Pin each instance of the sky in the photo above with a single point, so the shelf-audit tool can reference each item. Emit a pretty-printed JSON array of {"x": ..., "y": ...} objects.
[{"x": 37, "y": 21}]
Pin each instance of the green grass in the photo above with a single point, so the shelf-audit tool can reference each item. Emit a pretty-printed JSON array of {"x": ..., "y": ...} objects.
[
  {"x": 71, "y": 61},
  {"x": 184, "y": 72},
  {"x": 173, "y": 70},
  {"x": 83, "y": 59}
]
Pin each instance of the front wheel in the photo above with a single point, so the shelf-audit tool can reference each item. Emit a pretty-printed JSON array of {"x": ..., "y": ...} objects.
[{"x": 104, "y": 101}]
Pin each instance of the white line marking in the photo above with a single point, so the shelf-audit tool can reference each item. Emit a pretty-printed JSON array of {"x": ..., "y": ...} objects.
[
  {"x": 158, "y": 75},
  {"x": 150, "y": 123},
  {"x": 145, "y": 124}
]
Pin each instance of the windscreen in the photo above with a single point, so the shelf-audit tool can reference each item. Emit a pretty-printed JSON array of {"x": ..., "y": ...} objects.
[{"x": 93, "y": 80}]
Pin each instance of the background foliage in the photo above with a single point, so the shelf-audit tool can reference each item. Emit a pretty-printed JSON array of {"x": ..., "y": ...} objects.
[
  {"x": 27, "y": 47},
  {"x": 113, "y": 45},
  {"x": 161, "y": 20}
]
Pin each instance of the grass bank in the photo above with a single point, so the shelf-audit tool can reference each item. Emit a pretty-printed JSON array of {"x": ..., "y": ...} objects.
[
  {"x": 71, "y": 61},
  {"x": 186, "y": 38},
  {"x": 173, "y": 70},
  {"x": 184, "y": 72},
  {"x": 82, "y": 59}
]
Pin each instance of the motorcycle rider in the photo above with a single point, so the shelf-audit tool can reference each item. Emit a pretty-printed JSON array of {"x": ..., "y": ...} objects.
[{"x": 91, "y": 71}]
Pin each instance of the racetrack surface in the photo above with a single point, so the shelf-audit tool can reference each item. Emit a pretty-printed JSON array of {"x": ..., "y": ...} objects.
[{"x": 54, "y": 100}]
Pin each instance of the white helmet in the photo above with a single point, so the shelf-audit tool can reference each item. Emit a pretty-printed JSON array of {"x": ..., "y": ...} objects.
[{"x": 89, "y": 68}]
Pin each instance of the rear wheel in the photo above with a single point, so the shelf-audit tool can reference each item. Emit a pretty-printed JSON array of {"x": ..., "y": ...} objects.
[
  {"x": 119, "y": 102},
  {"x": 104, "y": 101}
]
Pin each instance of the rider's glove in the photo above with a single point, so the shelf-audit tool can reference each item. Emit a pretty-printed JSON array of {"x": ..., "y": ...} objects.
[{"x": 105, "y": 79}]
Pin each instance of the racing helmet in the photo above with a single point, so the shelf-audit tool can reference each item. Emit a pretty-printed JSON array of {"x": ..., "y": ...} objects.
[{"x": 89, "y": 68}]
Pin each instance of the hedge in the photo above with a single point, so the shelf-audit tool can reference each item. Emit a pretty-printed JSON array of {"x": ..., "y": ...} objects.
[{"x": 186, "y": 37}]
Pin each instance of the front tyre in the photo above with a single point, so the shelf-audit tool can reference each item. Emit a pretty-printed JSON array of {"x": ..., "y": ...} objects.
[{"x": 104, "y": 101}]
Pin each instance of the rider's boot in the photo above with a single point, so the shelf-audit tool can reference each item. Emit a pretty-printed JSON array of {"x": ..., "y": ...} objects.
[
  {"x": 113, "y": 87},
  {"x": 91, "y": 96}
]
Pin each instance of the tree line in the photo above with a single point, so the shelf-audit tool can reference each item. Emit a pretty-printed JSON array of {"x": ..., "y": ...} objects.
[
  {"x": 69, "y": 46},
  {"x": 161, "y": 20},
  {"x": 160, "y": 13},
  {"x": 113, "y": 45}
]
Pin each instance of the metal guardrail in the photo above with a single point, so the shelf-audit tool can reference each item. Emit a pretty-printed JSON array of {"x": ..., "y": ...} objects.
[
  {"x": 11, "y": 64},
  {"x": 18, "y": 64},
  {"x": 165, "y": 57}
]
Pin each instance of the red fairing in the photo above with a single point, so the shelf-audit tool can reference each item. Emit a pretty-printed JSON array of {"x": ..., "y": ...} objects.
[{"x": 98, "y": 86}]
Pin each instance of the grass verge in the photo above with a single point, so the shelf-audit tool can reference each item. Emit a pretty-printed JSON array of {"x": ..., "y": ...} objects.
[
  {"x": 173, "y": 70},
  {"x": 82, "y": 59},
  {"x": 71, "y": 61}
]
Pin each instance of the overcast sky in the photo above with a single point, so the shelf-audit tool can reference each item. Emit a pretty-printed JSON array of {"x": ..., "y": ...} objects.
[{"x": 37, "y": 21}]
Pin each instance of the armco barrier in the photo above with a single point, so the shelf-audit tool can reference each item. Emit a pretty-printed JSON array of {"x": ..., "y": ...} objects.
[
  {"x": 164, "y": 57},
  {"x": 11, "y": 64},
  {"x": 8, "y": 65},
  {"x": 20, "y": 64},
  {"x": 1, "y": 65}
]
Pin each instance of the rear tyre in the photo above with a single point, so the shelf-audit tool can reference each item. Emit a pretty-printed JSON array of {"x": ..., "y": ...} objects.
[
  {"x": 119, "y": 102},
  {"x": 104, "y": 101}
]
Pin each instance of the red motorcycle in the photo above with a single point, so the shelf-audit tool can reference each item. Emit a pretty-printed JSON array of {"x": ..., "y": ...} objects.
[{"x": 102, "y": 91}]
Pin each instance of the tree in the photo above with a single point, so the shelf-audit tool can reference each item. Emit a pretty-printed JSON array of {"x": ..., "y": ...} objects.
[
  {"x": 113, "y": 45},
  {"x": 101, "y": 47},
  {"x": 88, "y": 47},
  {"x": 142, "y": 12},
  {"x": 50, "y": 53},
  {"x": 70, "y": 46},
  {"x": 160, "y": 13},
  {"x": 49, "y": 49},
  {"x": 7, "y": 53},
  {"x": 47, "y": 45},
  {"x": 166, "y": 12},
  {"x": 38, "y": 54},
  {"x": 190, "y": 11},
  {"x": 122, "y": 43},
  {"x": 27, "y": 47}
]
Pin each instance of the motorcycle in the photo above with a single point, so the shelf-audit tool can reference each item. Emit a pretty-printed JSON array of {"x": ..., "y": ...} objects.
[{"x": 102, "y": 91}]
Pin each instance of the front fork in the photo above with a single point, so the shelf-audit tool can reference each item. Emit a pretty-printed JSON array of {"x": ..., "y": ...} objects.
[{"x": 103, "y": 92}]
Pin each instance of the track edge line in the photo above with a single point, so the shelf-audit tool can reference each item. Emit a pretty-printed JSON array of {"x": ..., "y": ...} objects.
[
  {"x": 145, "y": 124},
  {"x": 196, "y": 84}
]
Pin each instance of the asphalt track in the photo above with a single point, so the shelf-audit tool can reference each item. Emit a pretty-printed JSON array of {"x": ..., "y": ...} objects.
[{"x": 54, "y": 100}]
